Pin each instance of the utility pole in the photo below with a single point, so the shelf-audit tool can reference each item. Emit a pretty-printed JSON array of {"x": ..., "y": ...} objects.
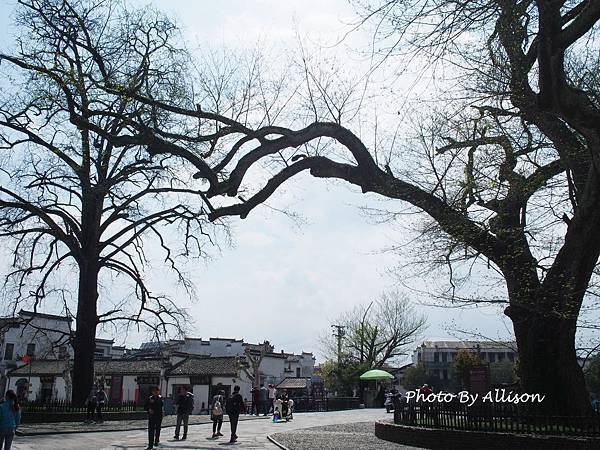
[{"x": 339, "y": 333}]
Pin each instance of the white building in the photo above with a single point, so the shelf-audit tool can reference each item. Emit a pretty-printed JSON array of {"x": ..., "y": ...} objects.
[
  {"x": 37, "y": 335},
  {"x": 130, "y": 380},
  {"x": 128, "y": 375},
  {"x": 437, "y": 357},
  {"x": 274, "y": 367},
  {"x": 42, "y": 337}
]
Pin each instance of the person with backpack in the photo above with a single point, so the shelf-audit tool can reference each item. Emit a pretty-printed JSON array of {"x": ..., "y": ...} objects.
[
  {"x": 154, "y": 406},
  {"x": 216, "y": 413},
  {"x": 101, "y": 400},
  {"x": 90, "y": 403},
  {"x": 185, "y": 406},
  {"x": 235, "y": 406},
  {"x": 10, "y": 419}
]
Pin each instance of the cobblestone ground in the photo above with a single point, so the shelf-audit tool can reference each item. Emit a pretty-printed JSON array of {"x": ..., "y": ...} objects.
[
  {"x": 252, "y": 434},
  {"x": 354, "y": 436}
]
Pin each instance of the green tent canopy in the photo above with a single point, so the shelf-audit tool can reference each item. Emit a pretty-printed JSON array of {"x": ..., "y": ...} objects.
[{"x": 376, "y": 374}]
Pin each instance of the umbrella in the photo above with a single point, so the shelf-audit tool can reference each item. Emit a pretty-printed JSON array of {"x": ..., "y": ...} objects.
[{"x": 376, "y": 374}]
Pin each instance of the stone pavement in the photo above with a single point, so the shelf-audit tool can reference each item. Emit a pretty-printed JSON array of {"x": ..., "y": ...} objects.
[
  {"x": 252, "y": 434},
  {"x": 29, "y": 429}
]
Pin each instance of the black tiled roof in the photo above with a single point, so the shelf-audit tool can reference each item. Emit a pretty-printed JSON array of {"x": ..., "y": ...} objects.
[
  {"x": 206, "y": 366},
  {"x": 42, "y": 367},
  {"x": 105, "y": 367},
  {"x": 128, "y": 366}
]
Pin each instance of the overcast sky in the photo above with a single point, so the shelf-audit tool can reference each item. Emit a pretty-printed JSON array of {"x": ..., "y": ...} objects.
[{"x": 285, "y": 281}]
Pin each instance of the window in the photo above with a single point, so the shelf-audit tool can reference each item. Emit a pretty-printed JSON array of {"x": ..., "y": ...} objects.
[
  {"x": 436, "y": 357},
  {"x": 492, "y": 356},
  {"x": 500, "y": 356},
  {"x": 444, "y": 357},
  {"x": 99, "y": 353},
  {"x": 297, "y": 372},
  {"x": 31, "y": 349},
  {"x": 9, "y": 349}
]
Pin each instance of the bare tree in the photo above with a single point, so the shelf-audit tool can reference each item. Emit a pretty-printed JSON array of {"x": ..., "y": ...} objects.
[
  {"x": 378, "y": 333},
  {"x": 72, "y": 199},
  {"x": 533, "y": 77},
  {"x": 532, "y": 68},
  {"x": 255, "y": 357}
]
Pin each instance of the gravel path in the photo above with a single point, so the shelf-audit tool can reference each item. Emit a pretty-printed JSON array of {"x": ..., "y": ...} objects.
[{"x": 355, "y": 436}]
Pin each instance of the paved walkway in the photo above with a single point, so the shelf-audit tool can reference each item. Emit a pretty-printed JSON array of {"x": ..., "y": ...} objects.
[
  {"x": 253, "y": 434},
  {"x": 29, "y": 429}
]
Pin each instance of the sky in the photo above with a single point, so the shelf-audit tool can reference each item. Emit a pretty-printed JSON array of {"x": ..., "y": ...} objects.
[{"x": 282, "y": 280}]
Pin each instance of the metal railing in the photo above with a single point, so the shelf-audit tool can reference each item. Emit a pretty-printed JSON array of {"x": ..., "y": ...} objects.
[{"x": 494, "y": 417}]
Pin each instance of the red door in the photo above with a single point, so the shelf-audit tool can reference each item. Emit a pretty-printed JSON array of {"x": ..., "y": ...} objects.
[{"x": 116, "y": 388}]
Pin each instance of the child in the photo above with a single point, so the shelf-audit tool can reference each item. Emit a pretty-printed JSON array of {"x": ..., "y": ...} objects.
[{"x": 276, "y": 415}]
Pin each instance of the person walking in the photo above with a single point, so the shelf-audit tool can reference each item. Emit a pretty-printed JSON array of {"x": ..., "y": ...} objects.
[
  {"x": 101, "y": 400},
  {"x": 263, "y": 397},
  {"x": 234, "y": 407},
  {"x": 216, "y": 413},
  {"x": 10, "y": 419},
  {"x": 255, "y": 401},
  {"x": 90, "y": 404},
  {"x": 272, "y": 397},
  {"x": 154, "y": 406},
  {"x": 185, "y": 406}
]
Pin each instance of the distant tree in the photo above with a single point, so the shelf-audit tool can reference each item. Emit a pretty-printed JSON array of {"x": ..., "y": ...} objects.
[
  {"x": 415, "y": 377},
  {"x": 378, "y": 333},
  {"x": 342, "y": 379},
  {"x": 463, "y": 362},
  {"x": 255, "y": 357}
]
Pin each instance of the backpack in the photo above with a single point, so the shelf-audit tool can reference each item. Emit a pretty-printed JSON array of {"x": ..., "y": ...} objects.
[{"x": 217, "y": 409}]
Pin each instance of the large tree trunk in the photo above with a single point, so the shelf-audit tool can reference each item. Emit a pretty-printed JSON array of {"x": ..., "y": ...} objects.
[
  {"x": 85, "y": 336},
  {"x": 544, "y": 317},
  {"x": 548, "y": 364}
]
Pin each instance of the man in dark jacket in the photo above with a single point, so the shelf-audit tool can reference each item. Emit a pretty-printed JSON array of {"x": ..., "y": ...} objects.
[
  {"x": 255, "y": 400},
  {"x": 235, "y": 406},
  {"x": 263, "y": 397},
  {"x": 185, "y": 406},
  {"x": 101, "y": 400},
  {"x": 154, "y": 406}
]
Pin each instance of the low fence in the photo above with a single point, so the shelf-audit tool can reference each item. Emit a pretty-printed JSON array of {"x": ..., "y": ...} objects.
[
  {"x": 61, "y": 406},
  {"x": 301, "y": 404},
  {"x": 494, "y": 417}
]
